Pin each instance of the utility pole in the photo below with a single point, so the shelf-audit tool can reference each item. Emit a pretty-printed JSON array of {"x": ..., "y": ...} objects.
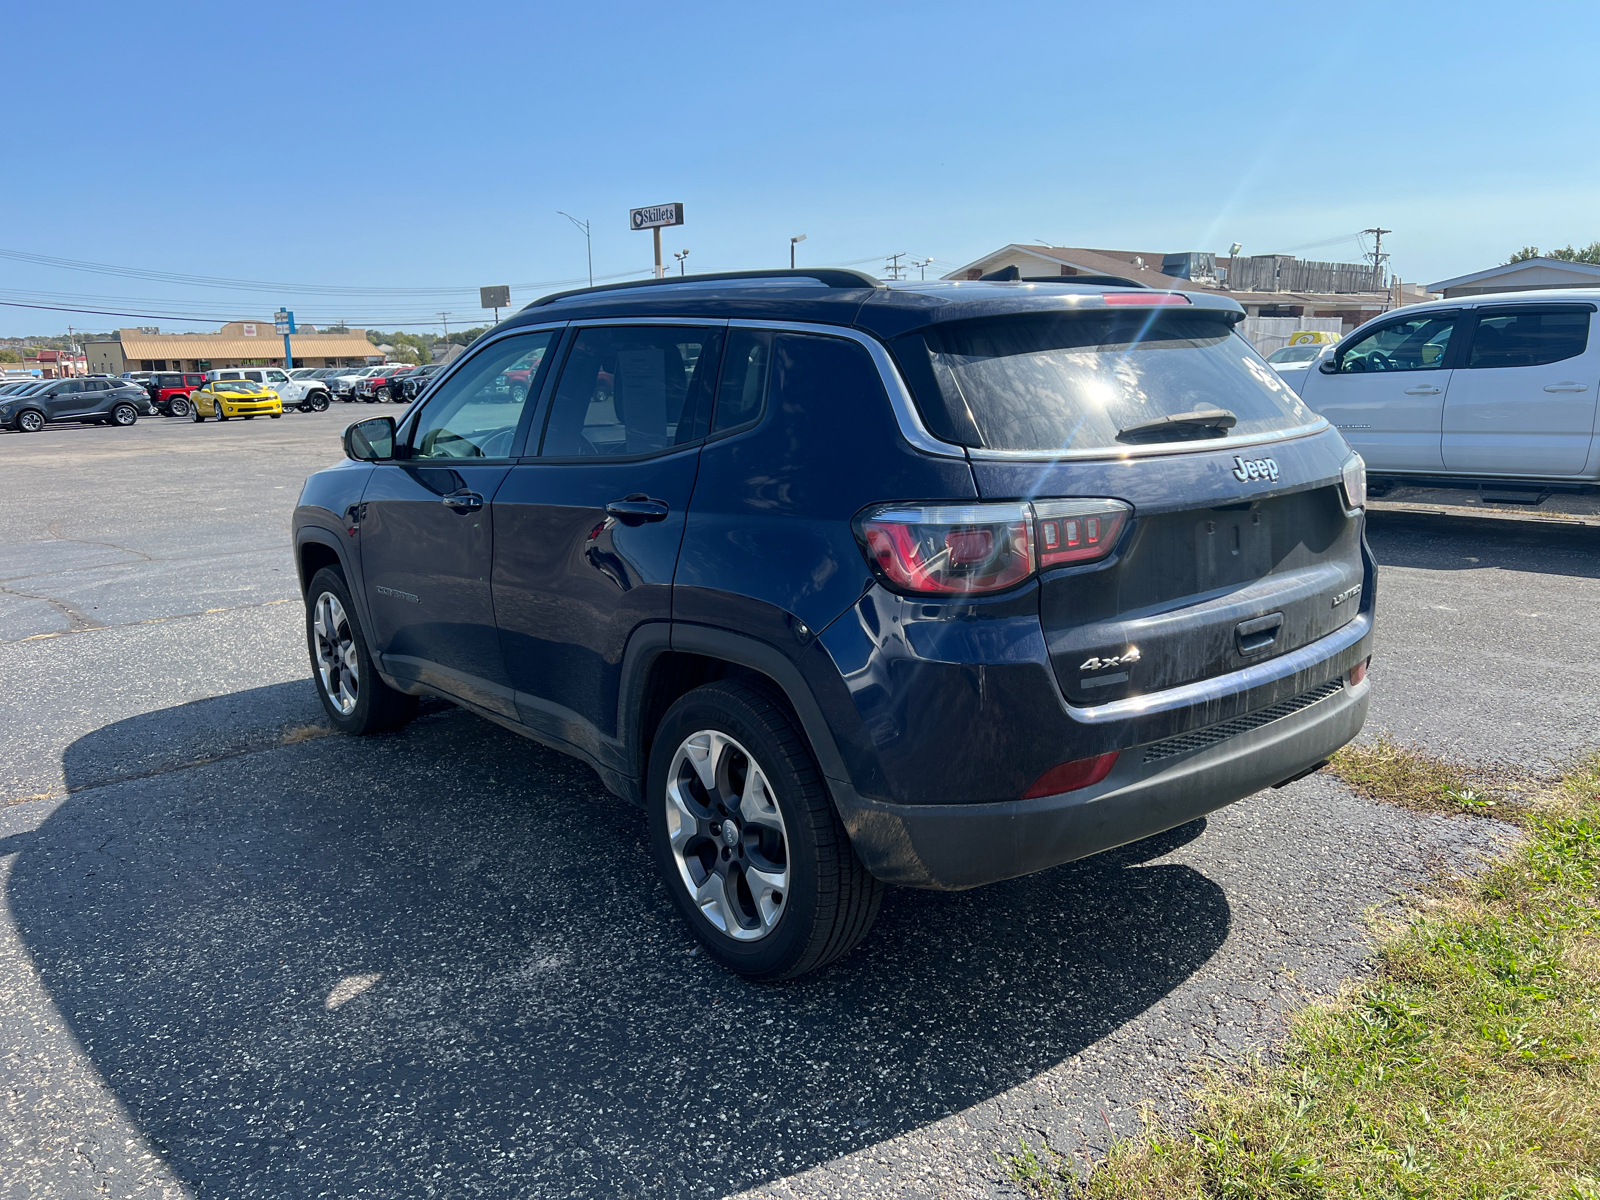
[
  {"x": 445, "y": 318},
  {"x": 1377, "y": 255},
  {"x": 893, "y": 268},
  {"x": 587, "y": 241}
]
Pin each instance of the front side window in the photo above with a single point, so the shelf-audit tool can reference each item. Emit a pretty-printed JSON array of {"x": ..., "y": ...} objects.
[
  {"x": 1418, "y": 344},
  {"x": 1529, "y": 337},
  {"x": 627, "y": 390},
  {"x": 475, "y": 413}
]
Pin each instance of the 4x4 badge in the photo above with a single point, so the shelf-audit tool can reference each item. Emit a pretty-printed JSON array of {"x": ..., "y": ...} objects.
[
  {"x": 1255, "y": 468},
  {"x": 1117, "y": 660}
]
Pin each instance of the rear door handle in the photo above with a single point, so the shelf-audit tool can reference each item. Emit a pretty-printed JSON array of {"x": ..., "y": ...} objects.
[
  {"x": 637, "y": 509},
  {"x": 463, "y": 501},
  {"x": 1566, "y": 387},
  {"x": 1426, "y": 389}
]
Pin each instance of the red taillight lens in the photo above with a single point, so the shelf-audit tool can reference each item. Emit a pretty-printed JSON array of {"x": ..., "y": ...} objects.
[
  {"x": 1070, "y": 776},
  {"x": 1359, "y": 672},
  {"x": 1071, "y": 531},
  {"x": 1144, "y": 299},
  {"x": 968, "y": 549},
  {"x": 950, "y": 550}
]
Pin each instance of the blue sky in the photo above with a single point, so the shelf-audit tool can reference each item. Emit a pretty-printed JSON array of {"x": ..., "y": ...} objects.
[{"x": 430, "y": 146}]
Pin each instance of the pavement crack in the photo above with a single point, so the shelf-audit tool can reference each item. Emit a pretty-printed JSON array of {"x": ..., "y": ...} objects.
[
  {"x": 80, "y": 622},
  {"x": 144, "y": 558},
  {"x": 54, "y": 530},
  {"x": 97, "y": 626}
]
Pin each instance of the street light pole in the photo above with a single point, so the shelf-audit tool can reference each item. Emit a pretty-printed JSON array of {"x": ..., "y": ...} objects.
[
  {"x": 587, "y": 241},
  {"x": 792, "y": 242},
  {"x": 680, "y": 258}
]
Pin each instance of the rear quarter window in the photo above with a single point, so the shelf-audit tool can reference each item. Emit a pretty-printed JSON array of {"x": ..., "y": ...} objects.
[{"x": 1058, "y": 382}]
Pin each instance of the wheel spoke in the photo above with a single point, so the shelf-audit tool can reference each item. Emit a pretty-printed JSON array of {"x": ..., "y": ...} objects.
[
  {"x": 711, "y": 897},
  {"x": 769, "y": 888},
  {"x": 757, "y": 806}
]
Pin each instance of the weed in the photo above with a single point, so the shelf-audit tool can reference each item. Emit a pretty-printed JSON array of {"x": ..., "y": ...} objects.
[{"x": 1466, "y": 1066}]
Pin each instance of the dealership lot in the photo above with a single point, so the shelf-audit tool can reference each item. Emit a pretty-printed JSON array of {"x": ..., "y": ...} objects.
[{"x": 240, "y": 959}]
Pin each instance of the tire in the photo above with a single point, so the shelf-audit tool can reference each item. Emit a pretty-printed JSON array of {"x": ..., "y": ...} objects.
[
  {"x": 250, "y": 417},
  {"x": 29, "y": 420},
  {"x": 197, "y": 416},
  {"x": 123, "y": 415},
  {"x": 783, "y": 893},
  {"x": 319, "y": 401},
  {"x": 356, "y": 700},
  {"x": 382, "y": 395},
  {"x": 270, "y": 416},
  {"x": 519, "y": 393},
  {"x": 220, "y": 415},
  {"x": 179, "y": 406}
]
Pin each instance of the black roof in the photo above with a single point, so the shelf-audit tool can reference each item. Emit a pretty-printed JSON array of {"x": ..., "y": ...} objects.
[{"x": 828, "y": 297}]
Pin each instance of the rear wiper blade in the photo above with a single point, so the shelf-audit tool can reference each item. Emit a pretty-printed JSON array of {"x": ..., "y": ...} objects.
[{"x": 1181, "y": 427}]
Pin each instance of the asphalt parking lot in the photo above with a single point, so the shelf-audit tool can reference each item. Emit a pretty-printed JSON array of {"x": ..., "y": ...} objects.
[{"x": 240, "y": 959}]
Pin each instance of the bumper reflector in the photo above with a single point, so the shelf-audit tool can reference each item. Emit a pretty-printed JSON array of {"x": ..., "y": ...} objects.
[{"x": 1070, "y": 776}]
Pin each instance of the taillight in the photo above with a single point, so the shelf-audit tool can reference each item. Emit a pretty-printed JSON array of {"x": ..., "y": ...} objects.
[
  {"x": 950, "y": 550},
  {"x": 1144, "y": 299},
  {"x": 969, "y": 549},
  {"x": 1070, "y": 776},
  {"x": 1354, "y": 480},
  {"x": 1070, "y": 531}
]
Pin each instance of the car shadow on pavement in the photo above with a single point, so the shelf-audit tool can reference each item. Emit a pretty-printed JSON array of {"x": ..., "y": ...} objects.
[
  {"x": 1482, "y": 543},
  {"x": 438, "y": 961}
]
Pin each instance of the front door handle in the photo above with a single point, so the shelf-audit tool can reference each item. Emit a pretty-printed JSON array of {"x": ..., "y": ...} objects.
[
  {"x": 1426, "y": 389},
  {"x": 463, "y": 501},
  {"x": 637, "y": 509},
  {"x": 1566, "y": 387}
]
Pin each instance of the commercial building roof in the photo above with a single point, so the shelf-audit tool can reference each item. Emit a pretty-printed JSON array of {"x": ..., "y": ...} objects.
[
  {"x": 233, "y": 342},
  {"x": 1530, "y": 274}
]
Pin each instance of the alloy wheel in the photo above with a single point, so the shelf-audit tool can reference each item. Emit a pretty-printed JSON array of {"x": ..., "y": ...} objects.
[
  {"x": 338, "y": 666},
  {"x": 30, "y": 422},
  {"x": 178, "y": 406},
  {"x": 124, "y": 414},
  {"x": 727, "y": 835}
]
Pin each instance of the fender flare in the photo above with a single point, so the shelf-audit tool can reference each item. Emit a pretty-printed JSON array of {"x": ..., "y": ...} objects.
[{"x": 651, "y": 641}]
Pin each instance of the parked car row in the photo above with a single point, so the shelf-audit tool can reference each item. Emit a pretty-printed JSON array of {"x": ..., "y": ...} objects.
[{"x": 29, "y": 406}]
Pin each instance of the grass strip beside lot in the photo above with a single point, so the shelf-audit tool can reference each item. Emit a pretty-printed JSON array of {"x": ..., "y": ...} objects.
[{"x": 1465, "y": 1066}]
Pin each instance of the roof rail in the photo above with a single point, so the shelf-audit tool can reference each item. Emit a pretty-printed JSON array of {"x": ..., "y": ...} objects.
[{"x": 833, "y": 277}]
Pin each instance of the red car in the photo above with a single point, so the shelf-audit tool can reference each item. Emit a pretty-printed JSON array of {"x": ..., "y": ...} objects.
[
  {"x": 383, "y": 386},
  {"x": 169, "y": 392}
]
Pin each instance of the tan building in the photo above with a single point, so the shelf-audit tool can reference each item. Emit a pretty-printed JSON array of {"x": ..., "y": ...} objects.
[
  {"x": 236, "y": 344},
  {"x": 1348, "y": 308}
]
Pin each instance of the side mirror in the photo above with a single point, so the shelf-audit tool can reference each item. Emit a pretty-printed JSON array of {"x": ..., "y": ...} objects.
[
  {"x": 1329, "y": 366},
  {"x": 371, "y": 440}
]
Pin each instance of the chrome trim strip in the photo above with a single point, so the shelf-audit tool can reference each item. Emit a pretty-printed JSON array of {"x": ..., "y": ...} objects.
[
  {"x": 1223, "y": 686},
  {"x": 905, "y": 409},
  {"x": 1115, "y": 454},
  {"x": 603, "y": 322}
]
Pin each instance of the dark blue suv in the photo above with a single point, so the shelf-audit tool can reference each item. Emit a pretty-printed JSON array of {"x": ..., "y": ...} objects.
[{"x": 850, "y": 584}]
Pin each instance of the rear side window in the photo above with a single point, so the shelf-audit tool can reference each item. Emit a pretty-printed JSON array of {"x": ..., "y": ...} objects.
[
  {"x": 1053, "y": 382},
  {"x": 745, "y": 369},
  {"x": 627, "y": 390},
  {"x": 1529, "y": 337}
]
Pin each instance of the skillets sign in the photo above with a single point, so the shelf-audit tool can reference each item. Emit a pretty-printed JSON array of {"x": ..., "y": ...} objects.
[{"x": 655, "y": 217}]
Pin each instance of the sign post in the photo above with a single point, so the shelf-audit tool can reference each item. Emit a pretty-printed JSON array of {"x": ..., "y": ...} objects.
[
  {"x": 656, "y": 218},
  {"x": 495, "y": 298},
  {"x": 283, "y": 322}
]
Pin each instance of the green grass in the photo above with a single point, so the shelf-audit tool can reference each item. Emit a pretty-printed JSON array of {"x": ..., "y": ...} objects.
[
  {"x": 1465, "y": 1066},
  {"x": 1388, "y": 771}
]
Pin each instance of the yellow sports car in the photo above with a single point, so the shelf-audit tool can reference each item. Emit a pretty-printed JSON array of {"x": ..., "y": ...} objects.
[{"x": 224, "y": 398}]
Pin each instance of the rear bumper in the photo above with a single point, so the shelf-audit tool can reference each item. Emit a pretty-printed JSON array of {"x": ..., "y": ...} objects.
[{"x": 954, "y": 846}]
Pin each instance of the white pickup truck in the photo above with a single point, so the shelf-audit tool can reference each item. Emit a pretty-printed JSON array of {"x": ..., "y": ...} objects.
[{"x": 308, "y": 395}]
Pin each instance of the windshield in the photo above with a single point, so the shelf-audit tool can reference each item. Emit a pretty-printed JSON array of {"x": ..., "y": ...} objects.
[
  {"x": 1294, "y": 354},
  {"x": 1088, "y": 381},
  {"x": 242, "y": 386}
]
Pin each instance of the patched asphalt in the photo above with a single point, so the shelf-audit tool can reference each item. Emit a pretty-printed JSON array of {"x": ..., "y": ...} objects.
[{"x": 238, "y": 959}]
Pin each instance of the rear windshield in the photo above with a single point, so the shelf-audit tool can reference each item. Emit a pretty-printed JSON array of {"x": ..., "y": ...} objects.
[{"x": 1084, "y": 381}]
